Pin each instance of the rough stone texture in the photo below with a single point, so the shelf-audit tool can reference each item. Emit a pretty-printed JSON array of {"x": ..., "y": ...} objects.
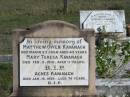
[
  {"x": 113, "y": 87},
  {"x": 54, "y": 29},
  {"x": 114, "y": 91}
]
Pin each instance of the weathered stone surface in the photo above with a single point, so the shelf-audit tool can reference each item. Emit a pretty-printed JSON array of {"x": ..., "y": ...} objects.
[
  {"x": 53, "y": 29},
  {"x": 103, "y": 20}
]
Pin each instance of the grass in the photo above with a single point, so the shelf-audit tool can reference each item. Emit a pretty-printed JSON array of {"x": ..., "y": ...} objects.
[
  {"x": 5, "y": 79},
  {"x": 22, "y": 13}
]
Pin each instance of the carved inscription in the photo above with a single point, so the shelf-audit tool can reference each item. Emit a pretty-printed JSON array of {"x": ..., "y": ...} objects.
[{"x": 54, "y": 62}]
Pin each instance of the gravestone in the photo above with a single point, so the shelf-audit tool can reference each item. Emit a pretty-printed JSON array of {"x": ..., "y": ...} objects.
[
  {"x": 54, "y": 59},
  {"x": 105, "y": 20}
]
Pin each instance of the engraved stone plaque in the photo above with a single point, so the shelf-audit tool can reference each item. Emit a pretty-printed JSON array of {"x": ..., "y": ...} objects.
[
  {"x": 54, "y": 62},
  {"x": 105, "y": 20}
]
